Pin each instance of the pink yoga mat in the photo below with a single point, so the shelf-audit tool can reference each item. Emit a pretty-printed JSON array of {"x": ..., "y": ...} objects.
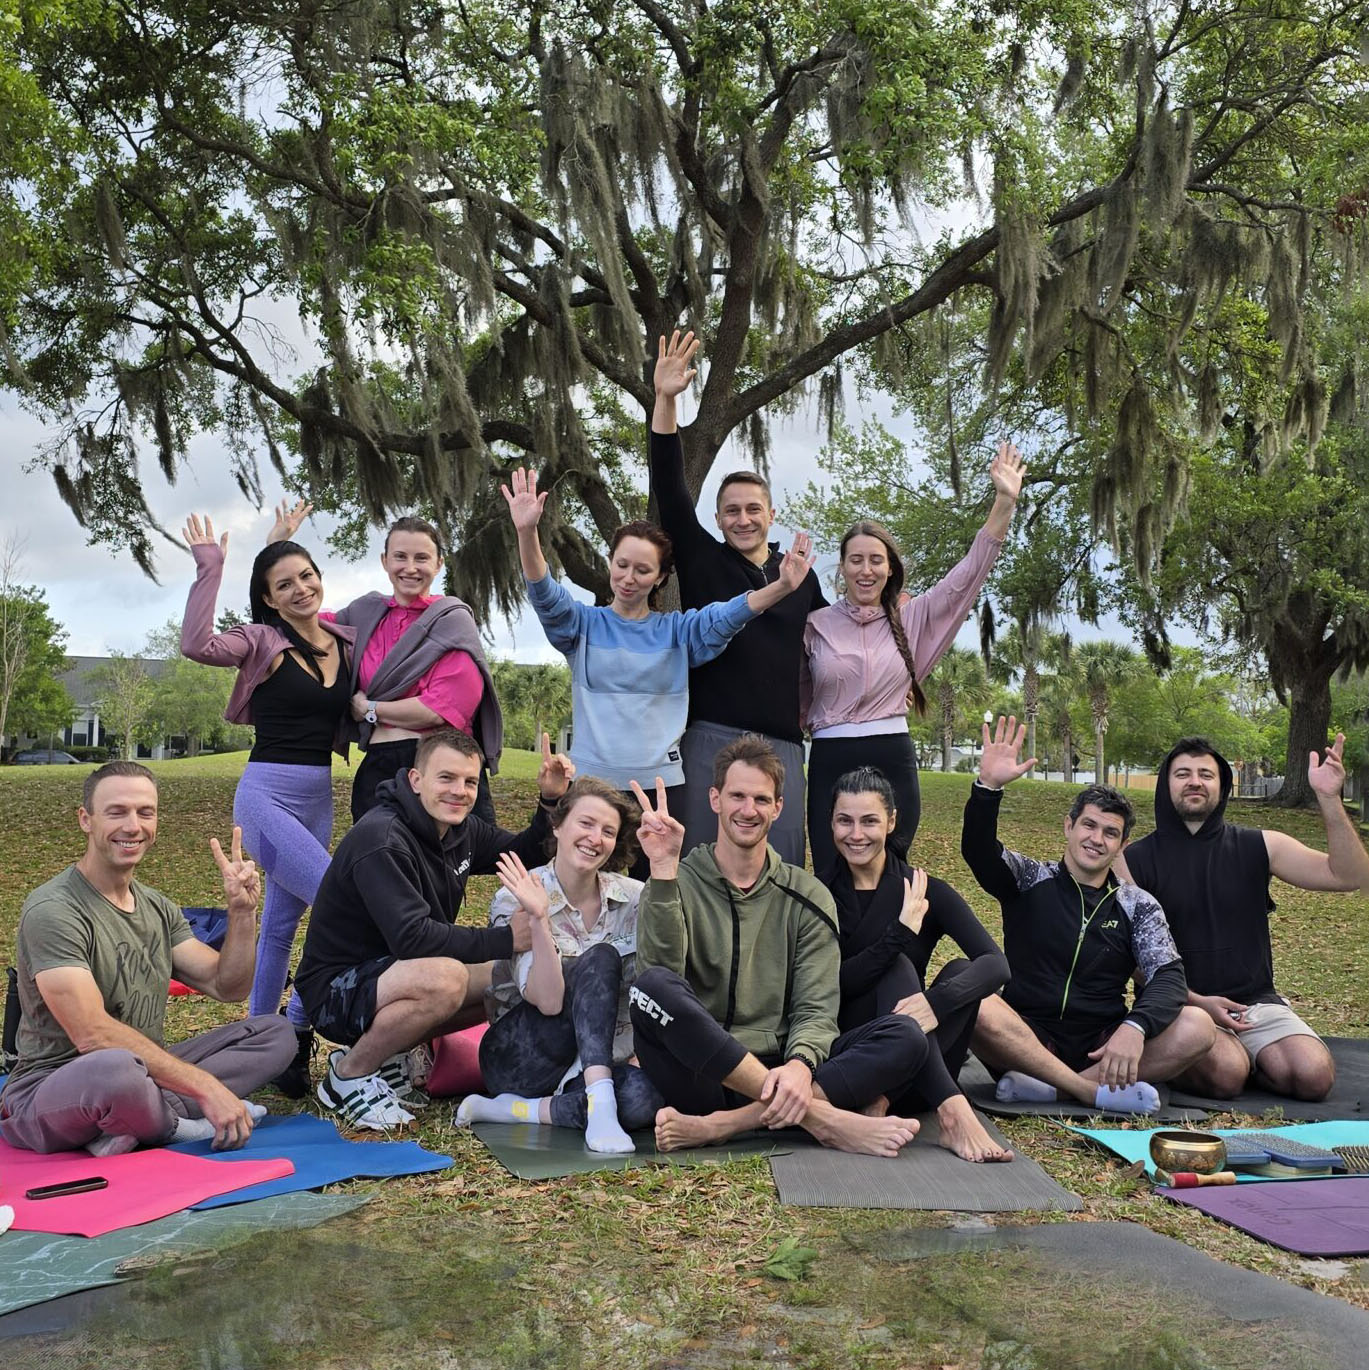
[{"x": 143, "y": 1185}]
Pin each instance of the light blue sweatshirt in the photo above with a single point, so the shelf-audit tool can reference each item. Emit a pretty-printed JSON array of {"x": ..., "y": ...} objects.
[{"x": 630, "y": 679}]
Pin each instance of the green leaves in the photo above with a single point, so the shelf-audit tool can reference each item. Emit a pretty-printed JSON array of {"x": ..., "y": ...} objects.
[{"x": 789, "y": 1260}]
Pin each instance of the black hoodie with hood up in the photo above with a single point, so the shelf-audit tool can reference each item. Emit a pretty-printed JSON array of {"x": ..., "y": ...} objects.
[
  {"x": 1214, "y": 887},
  {"x": 393, "y": 888}
]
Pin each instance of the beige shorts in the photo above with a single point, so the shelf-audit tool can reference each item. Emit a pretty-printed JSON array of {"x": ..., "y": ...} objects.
[{"x": 1269, "y": 1023}]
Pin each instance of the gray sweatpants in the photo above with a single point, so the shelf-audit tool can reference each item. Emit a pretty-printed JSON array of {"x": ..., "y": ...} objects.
[
  {"x": 109, "y": 1091},
  {"x": 699, "y": 745}
]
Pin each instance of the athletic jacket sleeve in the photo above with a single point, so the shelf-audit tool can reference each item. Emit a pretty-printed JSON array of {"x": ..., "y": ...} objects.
[
  {"x": 815, "y": 993},
  {"x": 707, "y": 631},
  {"x": 199, "y": 641},
  {"x": 558, "y": 612},
  {"x": 988, "y": 970},
  {"x": 995, "y": 868},
  {"x": 862, "y": 969},
  {"x": 673, "y": 501},
  {"x": 387, "y": 884},
  {"x": 1164, "y": 988},
  {"x": 662, "y": 937}
]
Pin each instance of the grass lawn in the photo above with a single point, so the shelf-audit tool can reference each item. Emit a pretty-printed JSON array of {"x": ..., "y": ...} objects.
[{"x": 666, "y": 1267}]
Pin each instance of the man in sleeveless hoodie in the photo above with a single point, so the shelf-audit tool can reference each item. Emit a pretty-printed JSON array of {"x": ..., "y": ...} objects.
[{"x": 1213, "y": 879}]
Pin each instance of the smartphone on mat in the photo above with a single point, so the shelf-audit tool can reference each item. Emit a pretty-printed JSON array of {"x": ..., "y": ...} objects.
[{"x": 59, "y": 1191}]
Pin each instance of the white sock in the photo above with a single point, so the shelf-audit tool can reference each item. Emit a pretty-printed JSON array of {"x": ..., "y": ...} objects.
[
  {"x": 6, "y": 1218},
  {"x": 256, "y": 1111},
  {"x": 603, "y": 1132},
  {"x": 1014, "y": 1086},
  {"x": 1137, "y": 1098},
  {"x": 503, "y": 1108},
  {"x": 192, "y": 1130},
  {"x": 116, "y": 1144}
]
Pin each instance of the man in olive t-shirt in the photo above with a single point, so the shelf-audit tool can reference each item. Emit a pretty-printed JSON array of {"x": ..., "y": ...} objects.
[{"x": 96, "y": 950}]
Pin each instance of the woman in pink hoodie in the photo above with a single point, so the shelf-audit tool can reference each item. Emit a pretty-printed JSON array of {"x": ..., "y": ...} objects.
[{"x": 866, "y": 653}]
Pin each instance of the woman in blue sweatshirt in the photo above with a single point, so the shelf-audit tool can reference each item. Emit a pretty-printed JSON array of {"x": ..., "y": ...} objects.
[{"x": 629, "y": 663}]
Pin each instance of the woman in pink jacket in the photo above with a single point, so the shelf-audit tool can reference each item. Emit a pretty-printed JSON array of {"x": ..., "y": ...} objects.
[{"x": 864, "y": 654}]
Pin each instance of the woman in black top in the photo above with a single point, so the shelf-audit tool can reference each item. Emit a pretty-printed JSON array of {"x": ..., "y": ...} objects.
[{"x": 891, "y": 918}]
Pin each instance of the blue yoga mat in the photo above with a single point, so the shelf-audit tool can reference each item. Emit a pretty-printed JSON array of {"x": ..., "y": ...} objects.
[
  {"x": 321, "y": 1156},
  {"x": 1133, "y": 1144}
]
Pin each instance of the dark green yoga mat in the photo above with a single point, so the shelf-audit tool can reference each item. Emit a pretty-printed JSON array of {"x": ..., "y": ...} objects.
[
  {"x": 923, "y": 1175},
  {"x": 36, "y": 1267},
  {"x": 547, "y": 1153},
  {"x": 1349, "y": 1097}
]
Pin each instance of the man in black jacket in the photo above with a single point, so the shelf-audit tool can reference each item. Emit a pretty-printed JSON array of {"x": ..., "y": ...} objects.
[
  {"x": 753, "y": 687},
  {"x": 1074, "y": 937},
  {"x": 1213, "y": 879},
  {"x": 384, "y": 966}
]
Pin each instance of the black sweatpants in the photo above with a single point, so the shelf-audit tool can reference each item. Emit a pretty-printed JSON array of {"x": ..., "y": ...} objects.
[
  {"x": 527, "y": 1051},
  {"x": 688, "y": 1054}
]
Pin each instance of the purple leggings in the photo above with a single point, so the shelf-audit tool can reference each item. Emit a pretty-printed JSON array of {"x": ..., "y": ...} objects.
[{"x": 286, "y": 816}]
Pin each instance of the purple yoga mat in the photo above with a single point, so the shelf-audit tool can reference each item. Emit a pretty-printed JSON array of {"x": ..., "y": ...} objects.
[{"x": 1328, "y": 1218}]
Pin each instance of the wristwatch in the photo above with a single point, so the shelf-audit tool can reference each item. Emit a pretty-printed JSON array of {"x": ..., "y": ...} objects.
[{"x": 371, "y": 713}]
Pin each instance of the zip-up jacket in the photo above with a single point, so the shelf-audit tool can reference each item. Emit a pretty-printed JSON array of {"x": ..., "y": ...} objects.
[
  {"x": 1073, "y": 948},
  {"x": 764, "y": 962},
  {"x": 393, "y": 888}
]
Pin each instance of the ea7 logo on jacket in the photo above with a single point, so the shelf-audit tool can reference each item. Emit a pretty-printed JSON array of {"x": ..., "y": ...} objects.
[{"x": 1111, "y": 923}]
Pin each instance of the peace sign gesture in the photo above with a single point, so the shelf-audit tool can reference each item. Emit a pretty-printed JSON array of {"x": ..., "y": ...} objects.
[
  {"x": 241, "y": 879},
  {"x": 197, "y": 534},
  {"x": 660, "y": 836},
  {"x": 555, "y": 773}
]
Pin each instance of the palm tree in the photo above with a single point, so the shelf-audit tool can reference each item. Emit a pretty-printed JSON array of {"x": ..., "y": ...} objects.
[
  {"x": 959, "y": 686},
  {"x": 1103, "y": 666},
  {"x": 1057, "y": 692},
  {"x": 1021, "y": 649}
]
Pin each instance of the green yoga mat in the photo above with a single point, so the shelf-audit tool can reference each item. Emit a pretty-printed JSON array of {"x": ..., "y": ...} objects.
[
  {"x": 923, "y": 1175},
  {"x": 547, "y": 1153},
  {"x": 1134, "y": 1144},
  {"x": 36, "y": 1267}
]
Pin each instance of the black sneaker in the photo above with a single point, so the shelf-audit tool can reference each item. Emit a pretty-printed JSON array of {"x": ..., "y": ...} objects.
[{"x": 294, "y": 1081}]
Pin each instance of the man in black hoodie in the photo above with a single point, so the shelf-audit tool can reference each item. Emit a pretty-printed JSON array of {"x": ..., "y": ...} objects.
[
  {"x": 384, "y": 966},
  {"x": 1213, "y": 879}
]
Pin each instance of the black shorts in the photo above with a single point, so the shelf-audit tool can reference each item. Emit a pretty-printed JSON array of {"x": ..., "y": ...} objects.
[
  {"x": 1070, "y": 1043},
  {"x": 349, "y": 1002}
]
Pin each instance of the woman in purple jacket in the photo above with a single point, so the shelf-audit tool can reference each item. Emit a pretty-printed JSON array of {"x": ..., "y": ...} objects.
[
  {"x": 866, "y": 653},
  {"x": 292, "y": 686}
]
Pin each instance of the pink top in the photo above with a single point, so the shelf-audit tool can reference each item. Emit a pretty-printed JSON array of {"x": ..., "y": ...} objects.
[
  {"x": 851, "y": 670},
  {"x": 453, "y": 687}
]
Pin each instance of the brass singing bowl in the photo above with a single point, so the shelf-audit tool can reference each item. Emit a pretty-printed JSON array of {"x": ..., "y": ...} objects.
[{"x": 1182, "y": 1149}]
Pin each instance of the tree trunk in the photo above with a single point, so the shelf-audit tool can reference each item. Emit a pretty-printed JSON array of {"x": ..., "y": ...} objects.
[
  {"x": 1100, "y": 768},
  {"x": 1031, "y": 686},
  {"x": 946, "y": 749},
  {"x": 1309, "y": 722}
]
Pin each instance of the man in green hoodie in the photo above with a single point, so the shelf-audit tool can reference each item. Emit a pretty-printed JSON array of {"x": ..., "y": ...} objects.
[{"x": 734, "y": 1013}]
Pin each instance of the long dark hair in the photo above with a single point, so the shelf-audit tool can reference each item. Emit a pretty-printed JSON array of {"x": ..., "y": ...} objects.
[
  {"x": 893, "y": 588},
  {"x": 262, "y": 612},
  {"x": 660, "y": 540}
]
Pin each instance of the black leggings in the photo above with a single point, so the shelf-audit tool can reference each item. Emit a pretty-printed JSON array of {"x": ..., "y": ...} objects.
[
  {"x": 949, "y": 1041},
  {"x": 831, "y": 757},
  {"x": 688, "y": 1055},
  {"x": 384, "y": 760},
  {"x": 527, "y": 1051}
]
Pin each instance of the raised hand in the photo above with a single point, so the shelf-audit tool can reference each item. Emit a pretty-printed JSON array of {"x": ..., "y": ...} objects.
[
  {"x": 555, "y": 773},
  {"x": 288, "y": 520},
  {"x": 1328, "y": 778},
  {"x": 525, "y": 504},
  {"x": 241, "y": 879},
  {"x": 999, "y": 766},
  {"x": 674, "y": 363},
  {"x": 660, "y": 836},
  {"x": 914, "y": 901},
  {"x": 522, "y": 884},
  {"x": 797, "y": 562},
  {"x": 198, "y": 534},
  {"x": 1007, "y": 470}
]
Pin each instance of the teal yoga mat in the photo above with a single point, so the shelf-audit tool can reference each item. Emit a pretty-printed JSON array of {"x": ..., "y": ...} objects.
[
  {"x": 36, "y": 1267},
  {"x": 1134, "y": 1144}
]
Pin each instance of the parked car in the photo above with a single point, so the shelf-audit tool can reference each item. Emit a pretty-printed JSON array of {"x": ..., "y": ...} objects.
[{"x": 45, "y": 758}]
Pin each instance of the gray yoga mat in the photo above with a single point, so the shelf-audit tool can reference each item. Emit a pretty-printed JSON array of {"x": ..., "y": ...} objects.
[
  {"x": 979, "y": 1085},
  {"x": 532, "y": 1152},
  {"x": 1349, "y": 1097},
  {"x": 923, "y": 1175},
  {"x": 1298, "y": 1328},
  {"x": 36, "y": 1267}
]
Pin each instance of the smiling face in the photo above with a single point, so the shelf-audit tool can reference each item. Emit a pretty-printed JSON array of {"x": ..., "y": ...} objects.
[
  {"x": 1195, "y": 787},
  {"x": 121, "y": 824},
  {"x": 746, "y": 806},
  {"x": 412, "y": 564},
  {"x": 865, "y": 569},
  {"x": 294, "y": 589},
  {"x": 634, "y": 571},
  {"x": 586, "y": 836},
  {"x": 860, "y": 827},
  {"x": 744, "y": 516},
  {"x": 1092, "y": 842},
  {"x": 446, "y": 785}
]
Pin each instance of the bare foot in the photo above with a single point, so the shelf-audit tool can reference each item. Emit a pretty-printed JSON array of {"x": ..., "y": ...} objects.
[
  {"x": 858, "y": 1132},
  {"x": 877, "y": 1108},
  {"x": 676, "y": 1130},
  {"x": 963, "y": 1133}
]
